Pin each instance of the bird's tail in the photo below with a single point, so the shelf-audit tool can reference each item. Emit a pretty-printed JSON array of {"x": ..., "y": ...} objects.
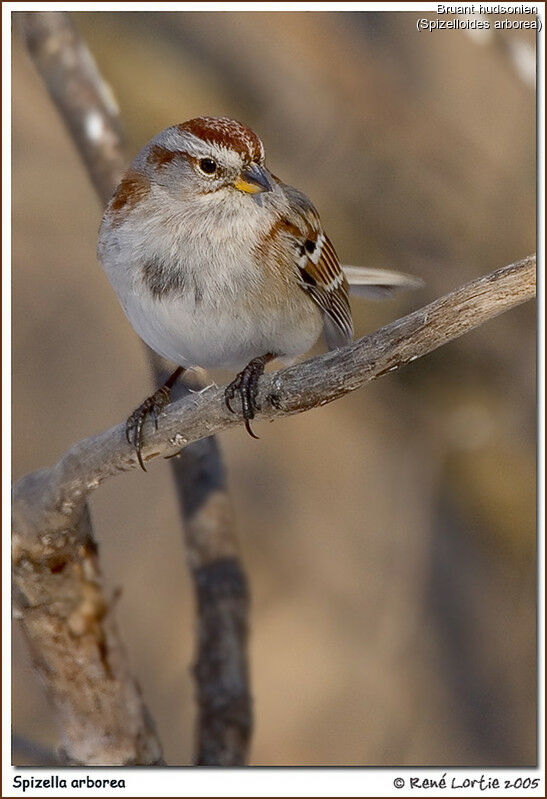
[{"x": 377, "y": 284}]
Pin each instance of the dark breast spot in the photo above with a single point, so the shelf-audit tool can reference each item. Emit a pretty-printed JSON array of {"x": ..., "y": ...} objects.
[
  {"x": 168, "y": 281},
  {"x": 162, "y": 281}
]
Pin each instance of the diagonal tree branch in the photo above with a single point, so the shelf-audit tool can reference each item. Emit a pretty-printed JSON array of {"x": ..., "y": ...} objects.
[
  {"x": 63, "y": 488},
  {"x": 88, "y": 108}
]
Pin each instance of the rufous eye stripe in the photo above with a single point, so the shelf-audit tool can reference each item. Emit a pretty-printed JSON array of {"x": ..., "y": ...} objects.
[{"x": 160, "y": 156}]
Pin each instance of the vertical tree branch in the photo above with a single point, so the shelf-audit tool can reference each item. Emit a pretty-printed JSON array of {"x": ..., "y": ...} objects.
[
  {"x": 224, "y": 701},
  {"x": 84, "y": 101},
  {"x": 70, "y": 626},
  {"x": 89, "y": 110}
]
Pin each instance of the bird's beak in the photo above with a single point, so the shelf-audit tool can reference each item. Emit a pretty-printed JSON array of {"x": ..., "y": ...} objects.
[{"x": 253, "y": 179}]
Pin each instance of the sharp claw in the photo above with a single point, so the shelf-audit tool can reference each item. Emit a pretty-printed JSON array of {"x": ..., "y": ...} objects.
[
  {"x": 137, "y": 441},
  {"x": 150, "y": 407},
  {"x": 140, "y": 441},
  {"x": 246, "y": 385},
  {"x": 139, "y": 458},
  {"x": 248, "y": 429},
  {"x": 133, "y": 433}
]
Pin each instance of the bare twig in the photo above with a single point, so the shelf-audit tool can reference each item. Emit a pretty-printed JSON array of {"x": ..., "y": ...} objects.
[
  {"x": 298, "y": 388},
  {"x": 224, "y": 721}
]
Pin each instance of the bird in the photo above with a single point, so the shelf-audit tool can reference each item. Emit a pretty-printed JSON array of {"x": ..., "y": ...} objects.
[{"x": 217, "y": 263}]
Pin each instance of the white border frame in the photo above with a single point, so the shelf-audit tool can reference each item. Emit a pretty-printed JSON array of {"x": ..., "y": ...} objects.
[{"x": 191, "y": 781}]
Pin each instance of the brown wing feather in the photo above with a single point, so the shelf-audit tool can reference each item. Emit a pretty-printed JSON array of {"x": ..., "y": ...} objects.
[
  {"x": 319, "y": 270},
  {"x": 328, "y": 286}
]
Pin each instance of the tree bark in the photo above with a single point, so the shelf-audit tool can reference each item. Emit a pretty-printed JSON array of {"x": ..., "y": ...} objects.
[{"x": 74, "y": 641}]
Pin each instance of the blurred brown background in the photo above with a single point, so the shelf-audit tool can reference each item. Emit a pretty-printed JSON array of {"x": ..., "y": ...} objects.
[{"x": 389, "y": 538}]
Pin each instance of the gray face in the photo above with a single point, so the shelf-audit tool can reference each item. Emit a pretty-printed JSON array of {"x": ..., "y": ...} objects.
[{"x": 186, "y": 166}]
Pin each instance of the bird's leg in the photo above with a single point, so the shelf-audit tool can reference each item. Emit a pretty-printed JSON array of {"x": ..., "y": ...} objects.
[
  {"x": 152, "y": 405},
  {"x": 246, "y": 385}
]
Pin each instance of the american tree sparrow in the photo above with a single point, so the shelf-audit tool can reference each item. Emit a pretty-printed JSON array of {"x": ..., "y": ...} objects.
[{"x": 217, "y": 263}]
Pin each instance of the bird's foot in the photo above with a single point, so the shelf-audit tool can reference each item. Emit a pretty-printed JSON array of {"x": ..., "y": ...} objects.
[
  {"x": 152, "y": 406},
  {"x": 246, "y": 386}
]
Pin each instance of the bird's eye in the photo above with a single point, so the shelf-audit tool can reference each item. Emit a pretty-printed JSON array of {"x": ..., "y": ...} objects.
[{"x": 208, "y": 166}]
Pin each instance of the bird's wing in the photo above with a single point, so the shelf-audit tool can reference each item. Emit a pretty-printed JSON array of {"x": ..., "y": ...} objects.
[
  {"x": 377, "y": 284},
  {"x": 319, "y": 271}
]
